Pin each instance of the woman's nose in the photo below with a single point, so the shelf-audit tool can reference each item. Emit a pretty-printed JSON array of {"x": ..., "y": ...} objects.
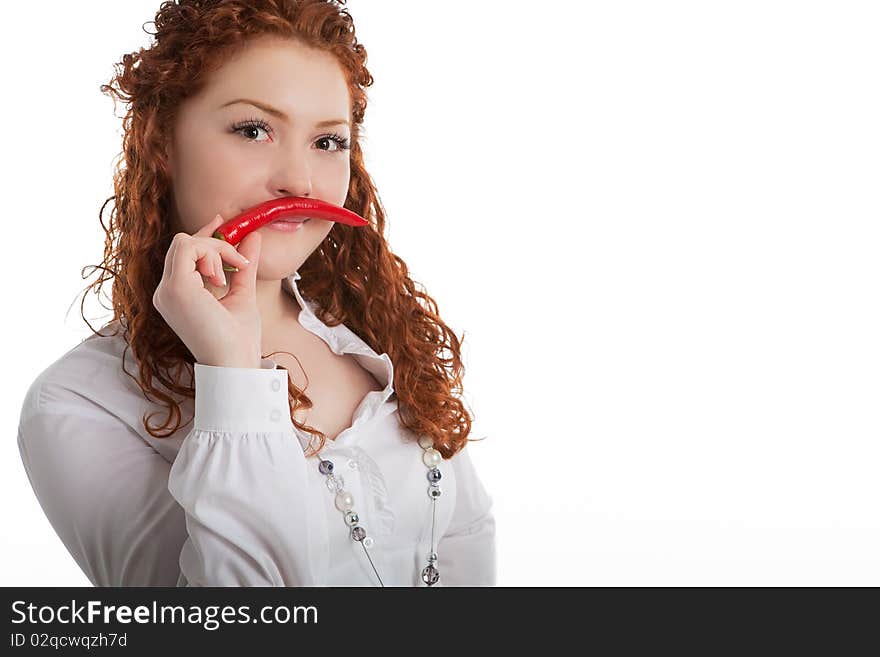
[{"x": 293, "y": 176}]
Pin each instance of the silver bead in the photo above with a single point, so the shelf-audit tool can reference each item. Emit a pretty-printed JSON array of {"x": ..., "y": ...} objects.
[
  {"x": 434, "y": 491},
  {"x": 358, "y": 533},
  {"x": 430, "y": 575},
  {"x": 351, "y": 518},
  {"x": 325, "y": 467},
  {"x": 432, "y": 557},
  {"x": 434, "y": 475}
]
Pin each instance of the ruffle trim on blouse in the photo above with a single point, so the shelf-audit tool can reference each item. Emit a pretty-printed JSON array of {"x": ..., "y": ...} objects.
[
  {"x": 382, "y": 514},
  {"x": 343, "y": 340}
]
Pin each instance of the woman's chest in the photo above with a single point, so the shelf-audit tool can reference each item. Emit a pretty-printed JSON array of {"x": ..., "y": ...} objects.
[{"x": 336, "y": 384}]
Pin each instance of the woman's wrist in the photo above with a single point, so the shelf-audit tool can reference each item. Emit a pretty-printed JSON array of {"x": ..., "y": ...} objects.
[{"x": 247, "y": 363}]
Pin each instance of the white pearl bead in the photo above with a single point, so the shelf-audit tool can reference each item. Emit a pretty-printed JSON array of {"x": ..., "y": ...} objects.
[
  {"x": 344, "y": 501},
  {"x": 431, "y": 457},
  {"x": 426, "y": 442}
]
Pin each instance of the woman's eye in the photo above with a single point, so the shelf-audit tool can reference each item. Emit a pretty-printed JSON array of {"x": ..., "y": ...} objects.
[
  {"x": 342, "y": 144},
  {"x": 250, "y": 132}
]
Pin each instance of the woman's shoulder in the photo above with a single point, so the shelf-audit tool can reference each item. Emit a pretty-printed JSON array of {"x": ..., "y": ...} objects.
[
  {"x": 88, "y": 368},
  {"x": 89, "y": 379}
]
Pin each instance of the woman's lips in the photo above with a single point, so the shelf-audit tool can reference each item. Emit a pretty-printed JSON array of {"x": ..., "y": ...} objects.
[
  {"x": 288, "y": 226},
  {"x": 292, "y": 220},
  {"x": 287, "y": 219}
]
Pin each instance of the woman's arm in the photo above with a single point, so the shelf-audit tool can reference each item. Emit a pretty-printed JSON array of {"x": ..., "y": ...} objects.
[
  {"x": 240, "y": 477},
  {"x": 466, "y": 551},
  {"x": 103, "y": 489},
  {"x": 228, "y": 512}
]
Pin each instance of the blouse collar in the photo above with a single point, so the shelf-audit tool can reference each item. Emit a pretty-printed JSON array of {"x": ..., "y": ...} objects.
[{"x": 343, "y": 340}]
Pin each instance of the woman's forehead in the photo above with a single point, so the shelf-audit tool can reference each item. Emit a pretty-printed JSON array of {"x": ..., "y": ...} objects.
[{"x": 302, "y": 84}]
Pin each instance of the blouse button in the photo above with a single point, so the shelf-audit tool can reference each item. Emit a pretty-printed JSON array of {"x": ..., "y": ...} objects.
[
  {"x": 352, "y": 464},
  {"x": 275, "y": 414},
  {"x": 276, "y": 384}
]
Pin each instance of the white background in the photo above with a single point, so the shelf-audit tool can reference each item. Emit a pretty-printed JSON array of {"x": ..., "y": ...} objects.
[{"x": 656, "y": 223}]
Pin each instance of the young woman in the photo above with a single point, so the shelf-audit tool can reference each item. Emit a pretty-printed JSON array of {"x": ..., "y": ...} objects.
[{"x": 316, "y": 335}]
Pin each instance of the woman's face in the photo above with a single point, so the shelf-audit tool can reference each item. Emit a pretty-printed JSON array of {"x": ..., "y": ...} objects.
[{"x": 225, "y": 156}]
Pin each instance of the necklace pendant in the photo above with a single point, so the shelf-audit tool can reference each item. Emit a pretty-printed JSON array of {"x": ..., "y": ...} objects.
[{"x": 430, "y": 575}]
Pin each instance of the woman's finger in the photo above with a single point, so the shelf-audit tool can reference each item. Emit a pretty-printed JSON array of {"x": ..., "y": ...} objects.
[
  {"x": 218, "y": 269},
  {"x": 191, "y": 256},
  {"x": 245, "y": 280},
  {"x": 208, "y": 229},
  {"x": 170, "y": 256},
  {"x": 228, "y": 252}
]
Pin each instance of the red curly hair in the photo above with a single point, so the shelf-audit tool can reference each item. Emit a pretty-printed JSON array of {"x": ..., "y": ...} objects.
[{"x": 353, "y": 276}]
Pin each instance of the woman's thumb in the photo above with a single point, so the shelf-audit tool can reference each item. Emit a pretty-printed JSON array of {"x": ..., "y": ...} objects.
[{"x": 246, "y": 277}]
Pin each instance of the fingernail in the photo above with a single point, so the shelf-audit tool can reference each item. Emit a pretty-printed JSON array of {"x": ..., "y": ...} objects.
[
  {"x": 216, "y": 217},
  {"x": 229, "y": 268}
]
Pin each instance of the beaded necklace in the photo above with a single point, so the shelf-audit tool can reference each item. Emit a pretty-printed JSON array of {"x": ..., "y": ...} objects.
[{"x": 345, "y": 503}]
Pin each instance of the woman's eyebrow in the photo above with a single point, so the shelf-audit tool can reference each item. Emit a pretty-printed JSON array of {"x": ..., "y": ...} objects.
[{"x": 281, "y": 115}]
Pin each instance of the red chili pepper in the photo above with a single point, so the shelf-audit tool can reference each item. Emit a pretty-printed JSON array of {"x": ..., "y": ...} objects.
[{"x": 235, "y": 230}]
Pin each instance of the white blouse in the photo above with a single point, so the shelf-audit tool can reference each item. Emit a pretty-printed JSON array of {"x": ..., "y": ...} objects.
[{"x": 231, "y": 499}]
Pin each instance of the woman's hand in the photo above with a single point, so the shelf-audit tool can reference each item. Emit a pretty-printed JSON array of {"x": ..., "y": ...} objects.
[{"x": 221, "y": 332}]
